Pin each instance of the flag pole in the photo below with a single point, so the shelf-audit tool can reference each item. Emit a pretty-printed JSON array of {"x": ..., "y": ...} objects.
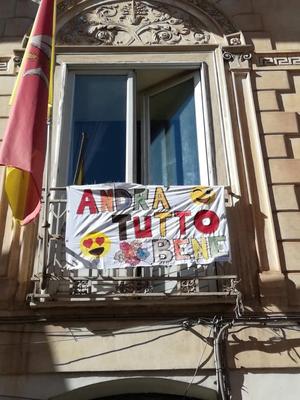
[
  {"x": 79, "y": 159},
  {"x": 46, "y": 224}
]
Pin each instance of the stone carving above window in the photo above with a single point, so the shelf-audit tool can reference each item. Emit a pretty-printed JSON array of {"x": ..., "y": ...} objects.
[{"x": 138, "y": 22}]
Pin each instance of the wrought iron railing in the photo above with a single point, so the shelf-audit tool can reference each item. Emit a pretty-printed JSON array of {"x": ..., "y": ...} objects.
[{"x": 53, "y": 280}]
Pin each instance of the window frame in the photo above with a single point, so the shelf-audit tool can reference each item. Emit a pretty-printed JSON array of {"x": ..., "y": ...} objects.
[
  {"x": 61, "y": 142},
  {"x": 202, "y": 134}
]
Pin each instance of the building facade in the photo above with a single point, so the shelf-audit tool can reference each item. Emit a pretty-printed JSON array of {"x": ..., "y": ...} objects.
[{"x": 229, "y": 71}]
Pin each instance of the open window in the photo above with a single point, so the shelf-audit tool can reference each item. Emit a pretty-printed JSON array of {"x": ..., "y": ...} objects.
[
  {"x": 145, "y": 125},
  {"x": 149, "y": 124},
  {"x": 174, "y": 136}
]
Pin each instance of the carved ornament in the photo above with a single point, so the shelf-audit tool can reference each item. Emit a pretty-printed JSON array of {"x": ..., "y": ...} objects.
[
  {"x": 235, "y": 39},
  {"x": 231, "y": 56},
  {"x": 136, "y": 23},
  {"x": 203, "y": 5},
  {"x": 238, "y": 57}
]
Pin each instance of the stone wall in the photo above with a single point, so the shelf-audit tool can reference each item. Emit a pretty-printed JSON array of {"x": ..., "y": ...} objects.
[
  {"x": 272, "y": 27},
  {"x": 277, "y": 91},
  {"x": 42, "y": 360},
  {"x": 16, "y": 17},
  {"x": 267, "y": 24}
]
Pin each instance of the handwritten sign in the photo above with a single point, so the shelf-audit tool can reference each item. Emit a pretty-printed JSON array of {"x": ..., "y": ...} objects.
[{"x": 124, "y": 225}]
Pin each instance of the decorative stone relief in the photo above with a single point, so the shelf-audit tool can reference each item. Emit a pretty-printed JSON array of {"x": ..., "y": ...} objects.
[
  {"x": 235, "y": 39},
  {"x": 238, "y": 57},
  {"x": 203, "y": 5},
  {"x": 278, "y": 60},
  {"x": 136, "y": 22},
  {"x": 231, "y": 57}
]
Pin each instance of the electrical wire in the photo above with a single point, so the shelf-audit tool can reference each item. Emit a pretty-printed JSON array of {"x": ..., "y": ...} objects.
[
  {"x": 275, "y": 322},
  {"x": 199, "y": 363}
]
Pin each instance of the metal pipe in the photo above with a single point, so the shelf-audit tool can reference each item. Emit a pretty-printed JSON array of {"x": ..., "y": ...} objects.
[
  {"x": 218, "y": 360},
  {"x": 45, "y": 225}
]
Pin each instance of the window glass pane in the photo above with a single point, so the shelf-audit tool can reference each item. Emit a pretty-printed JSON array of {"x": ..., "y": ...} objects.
[
  {"x": 98, "y": 144},
  {"x": 173, "y": 136}
]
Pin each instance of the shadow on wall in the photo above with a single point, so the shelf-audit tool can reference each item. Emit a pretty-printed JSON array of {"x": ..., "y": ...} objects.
[
  {"x": 26, "y": 362},
  {"x": 275, "y": 348},
  {"x": 63, "y": 361},
  {"x": 277, "y": 343}
]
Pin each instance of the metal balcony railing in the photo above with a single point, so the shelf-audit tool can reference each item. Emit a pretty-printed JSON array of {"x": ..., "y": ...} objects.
[{"x": 53, "y": 281}]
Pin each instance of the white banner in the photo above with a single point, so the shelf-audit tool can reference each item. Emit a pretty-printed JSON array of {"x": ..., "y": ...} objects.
[{"x": 126, "y": 225}]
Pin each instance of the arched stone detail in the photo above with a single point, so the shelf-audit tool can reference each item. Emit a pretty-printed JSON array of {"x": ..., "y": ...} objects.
[
  {"x": 139, "y": 23},
  {"x": 143, "y": 23}
]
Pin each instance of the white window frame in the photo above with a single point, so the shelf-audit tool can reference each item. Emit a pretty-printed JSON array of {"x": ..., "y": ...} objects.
[
  {"x": 204, "y": 142},
  {"x": 65, "y": 128},
  {"x": 62, "y": 139}
]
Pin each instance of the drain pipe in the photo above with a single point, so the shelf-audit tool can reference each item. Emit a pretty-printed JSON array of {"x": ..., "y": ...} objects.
[{"x": 222, "y": 387}]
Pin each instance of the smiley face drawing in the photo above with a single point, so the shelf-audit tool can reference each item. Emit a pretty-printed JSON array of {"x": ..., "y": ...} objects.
[
  {"x": 203, "y": 195},
  {"x": 95, "y": 245}
]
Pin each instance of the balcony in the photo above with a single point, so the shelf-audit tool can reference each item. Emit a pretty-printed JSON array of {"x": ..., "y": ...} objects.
[{"x": 55, "y": 284}]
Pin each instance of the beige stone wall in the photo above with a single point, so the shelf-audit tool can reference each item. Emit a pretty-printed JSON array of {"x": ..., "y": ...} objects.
[
  {"x": 135, "y": 345},
  {"x": 272, "y": 27},
  {"x": 277, "y": 93},
  {"x": 16, "y": 17},
  {"x": 28, "y": 352},
  {"x": 263, "y": 347},
  {"x": 103, "y": 346},
  {"x": 267, "y": 24}
]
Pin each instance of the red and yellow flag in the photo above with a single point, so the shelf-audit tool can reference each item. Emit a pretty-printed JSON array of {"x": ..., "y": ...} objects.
[{"x": 24, "y": 144}]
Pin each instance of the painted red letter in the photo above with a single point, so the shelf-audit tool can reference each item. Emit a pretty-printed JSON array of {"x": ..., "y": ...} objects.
[
  {"x": 181, "y": 215},
  {"x": 87, "y": 200},
  {"x": 142, "y": 233},
  {"x": 206, "y": 221}
]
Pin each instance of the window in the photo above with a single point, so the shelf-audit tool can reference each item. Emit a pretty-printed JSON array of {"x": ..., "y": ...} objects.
[
  {"x": 173, "y": 147},
  {"x": 98, "y": 138},
  {"x": 146, "y": 125},
  {"x": 138, "y": 117}
]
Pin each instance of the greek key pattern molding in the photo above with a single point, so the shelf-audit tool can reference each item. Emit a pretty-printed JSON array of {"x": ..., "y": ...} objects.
[
  {"x": 127, "y": 23},
  {"x": 7, "y": 66},
  {"x": 3, "y": 66},
  {"x": 267, "y": 61}
]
